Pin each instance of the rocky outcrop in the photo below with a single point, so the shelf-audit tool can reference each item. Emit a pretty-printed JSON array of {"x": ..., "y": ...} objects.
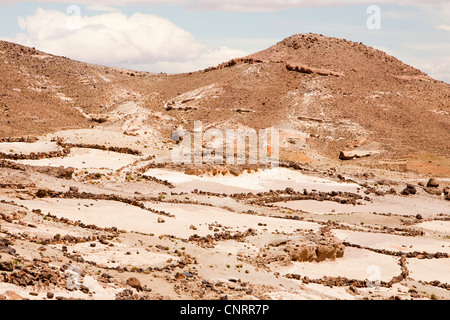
[
  {"x": 310, "y": 70},
  {"x": 349, "y": 155},
  {"x": 58, "y": 172},
  {"x": 316, "y": 252},
  {"x": 316, "y": 247},
  {"x": 234, "y": 62}
]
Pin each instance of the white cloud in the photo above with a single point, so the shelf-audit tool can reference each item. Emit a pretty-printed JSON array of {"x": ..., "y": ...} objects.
[
  {"x": 438, "y": 68},
  {"x": 142, "y": 41},
  {"x": 245, "y": 5},
  {"x": 443, "y": 27}
]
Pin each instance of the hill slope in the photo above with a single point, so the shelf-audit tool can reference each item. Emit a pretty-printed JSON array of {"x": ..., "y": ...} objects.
[{"x": 335, "y": 93}]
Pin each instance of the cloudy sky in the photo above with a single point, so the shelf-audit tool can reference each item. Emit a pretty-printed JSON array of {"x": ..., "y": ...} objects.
[{"x": 181, "y": 36}]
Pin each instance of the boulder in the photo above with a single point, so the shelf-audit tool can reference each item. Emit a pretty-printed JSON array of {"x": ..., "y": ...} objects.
[
  {"x": 433, "y": 191},
  {"x": 349, "y": 155},
  {"x": 134, "y": 283},
  {"x": 74, "y": 189},
  {"x": 410, "y": 189},
  {"x": 317, "y": 253},
  {"x": 432, "y": 183}
]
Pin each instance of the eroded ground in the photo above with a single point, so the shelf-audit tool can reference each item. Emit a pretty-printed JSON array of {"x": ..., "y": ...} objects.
[{"x": 105, "y": 215}]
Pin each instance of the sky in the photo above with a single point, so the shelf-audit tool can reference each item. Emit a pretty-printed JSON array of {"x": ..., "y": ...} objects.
[{"x": 182, "y": 36}]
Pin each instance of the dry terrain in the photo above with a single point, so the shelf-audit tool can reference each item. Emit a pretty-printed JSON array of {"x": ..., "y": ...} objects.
[{"x": 93, "y": 207}]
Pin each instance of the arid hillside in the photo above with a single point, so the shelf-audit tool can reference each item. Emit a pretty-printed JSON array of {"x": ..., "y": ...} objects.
[{"x": 335, "y": 94}]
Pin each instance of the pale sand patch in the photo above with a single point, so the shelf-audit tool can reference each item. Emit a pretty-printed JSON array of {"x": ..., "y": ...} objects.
[
  {"x": 393, "y": 242},
  {"x": 81, "y": 158},
  {"x": 319, "y": 207},
  {"x": 436, "y": 225},
  {"x": 429, "y": 269},
  {"x": 313, "y": 292},
  {"x": 200, "y": 216},
  {"x": 103, "y": 136},
  {"x": 117, "y": 256},
  {"x": 235, "y": 248},
  {"x": 263, "y": 180},
  {"x": 355, "y": 264},
  {"x": 102, "y": 213},
  {"x": 426, "y": 206},
  {"x": 335, "y": 292},
  {"x": 131, "y": 218},
  {"x": 27, "y": 148}
]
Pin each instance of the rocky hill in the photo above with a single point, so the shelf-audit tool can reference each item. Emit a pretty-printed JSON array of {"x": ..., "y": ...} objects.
[{"x": 336, "y": 94}]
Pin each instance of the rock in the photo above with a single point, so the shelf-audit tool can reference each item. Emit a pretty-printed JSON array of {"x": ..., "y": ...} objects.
[
  {"x": 349, "y": 155},
  {"x": 42, "y": 193},
  {"x": 6, "y": 266},
  {"x": 161, "y": 220},
  {"x": 8, "y": 250},
  {"x": 433, "y": 191},
  {"x": 410, "y": 189},
  {"x": 2, "y": 297},
  {"x": 318, "y": 253},
  {"x": 58, "y": 172},
  {"x": 235, "y": 172},
  {"x": 447, "y": 193},
  {"x": 50, "y": 295},
  {"x": 74, "y": 189},
  {"x": 12, "y": 295},
  {"x": 179, "y": 276},
  {"x": 134, "y": 283},
  {"x": 419, "y": 217},
  {"x": 432, "y": 183},
  {"x": 289, "y": 191},
  {"x": 309, "y": 70}
]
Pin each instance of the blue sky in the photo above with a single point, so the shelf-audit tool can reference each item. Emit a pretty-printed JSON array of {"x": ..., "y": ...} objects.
[{"x": 186, "y": 36}]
